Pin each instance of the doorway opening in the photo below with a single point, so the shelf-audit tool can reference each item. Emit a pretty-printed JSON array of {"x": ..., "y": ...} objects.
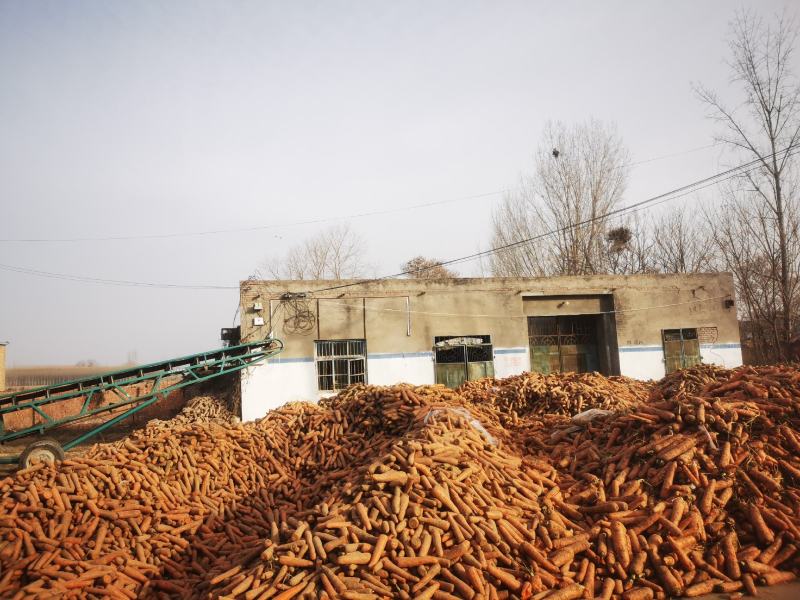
[{"x": 575, "y": 343}]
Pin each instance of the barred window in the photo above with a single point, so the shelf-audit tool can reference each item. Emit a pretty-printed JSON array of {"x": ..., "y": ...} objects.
[
  {"x": 462, "y": 358},
  {"x": 340, "y": 363}
]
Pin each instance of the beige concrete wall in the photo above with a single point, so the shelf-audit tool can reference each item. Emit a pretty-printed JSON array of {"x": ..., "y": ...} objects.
[
  {"x": 397, "y": 316},
  {"x": 546, "y": 306},
  {"x": 2, "y": 367},
  {"x": 692, "y": 306}
]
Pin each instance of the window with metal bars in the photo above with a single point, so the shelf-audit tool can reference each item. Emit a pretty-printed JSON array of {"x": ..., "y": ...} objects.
[
  {"x": 462, "y": 358},
  {"x": 340, "y": 363}
]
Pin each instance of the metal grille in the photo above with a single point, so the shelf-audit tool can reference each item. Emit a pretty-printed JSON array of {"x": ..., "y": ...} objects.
[
  {"x": 564, "y": 331},
  {"x": 459, "y": 349},
  {"x": 462, "y": 358},
  {"x": 450, "y": 355},
  {"x": 340, "y": 363},
  {"x": 450, "y": 340},
  {"x": 563, "y": 343},
  {"x": 480, "y": 353}
]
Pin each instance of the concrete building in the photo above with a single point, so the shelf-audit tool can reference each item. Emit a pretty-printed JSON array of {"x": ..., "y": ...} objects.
[
  {"x": 445, "y": 331},
  {"x": 3, "y": 365}
]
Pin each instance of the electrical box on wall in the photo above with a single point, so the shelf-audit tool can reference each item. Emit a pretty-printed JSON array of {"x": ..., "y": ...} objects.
[
  {"x": 258, "y": 306},
  {"x": 258, "y": 321}
]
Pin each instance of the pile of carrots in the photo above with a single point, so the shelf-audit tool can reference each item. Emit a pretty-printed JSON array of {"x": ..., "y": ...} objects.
[
  {"x": 689, "y": 493},
  {"x": 691, "y": 381},
  {"x": 199, "y": 409},
  {"x": 534, "y": 394},
  {"x": 424, "y": 492}
]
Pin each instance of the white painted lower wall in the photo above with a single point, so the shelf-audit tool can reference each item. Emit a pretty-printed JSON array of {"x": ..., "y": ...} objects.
[
  {"x": 511, "y": 361},
  {"x": 409, "y": 367},
  {"x": 724, "y": 355},
  {"x": 647, "y": 362},
  {"x": 280, "y": 380},
  {"x": 641, "y": 362},
  {"x": 276, "y": 382}
]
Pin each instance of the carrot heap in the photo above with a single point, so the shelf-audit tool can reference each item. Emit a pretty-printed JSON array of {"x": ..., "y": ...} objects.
[
  {"x": 533, "y": 394},
  {"x": 423, "y": 492}
]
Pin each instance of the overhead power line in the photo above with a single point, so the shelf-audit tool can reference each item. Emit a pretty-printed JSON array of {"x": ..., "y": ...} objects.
[
  {"x": 315, "y": 221},
  {"x": 114, "y": 282},
  {"x": 666, "y": 196},
  {"x": 672, "y": 155},
  {"x": 647, "y": 203}
]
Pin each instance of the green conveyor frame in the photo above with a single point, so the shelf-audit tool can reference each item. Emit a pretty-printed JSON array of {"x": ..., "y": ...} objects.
[{"x": 192, "y": 369}]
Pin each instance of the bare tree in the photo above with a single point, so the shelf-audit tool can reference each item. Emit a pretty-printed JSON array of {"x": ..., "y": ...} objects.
[
  {"x": 629, "y": 247},
  {"x": 581, "y": 173},
  {"x": 517, "y": 219},
  {"x": 582, "y": 179},
  {"x": 680, "y": 243},
  {"x": 758, "y": 232},
  {"x": 334, "y": 253},
  {"x": 420, "y": 267},
  {"x": 745, "y": 234}
]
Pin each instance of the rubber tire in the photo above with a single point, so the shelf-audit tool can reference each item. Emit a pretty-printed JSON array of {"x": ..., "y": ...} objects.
[{"x": 38, "y": 448}]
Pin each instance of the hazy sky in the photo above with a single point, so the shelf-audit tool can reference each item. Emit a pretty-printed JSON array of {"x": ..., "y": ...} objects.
[{"x": 126, "y": 118}]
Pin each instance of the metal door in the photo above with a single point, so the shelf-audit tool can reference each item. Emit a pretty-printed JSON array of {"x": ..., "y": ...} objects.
[
  {"x": 681, "y": 349},
  {"x": 567, "y": 343},
  {"x": 460, "y": 359}
]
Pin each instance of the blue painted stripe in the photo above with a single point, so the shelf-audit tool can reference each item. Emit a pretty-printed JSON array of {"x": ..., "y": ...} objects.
[
  {"x": 289, "y": 360},
  {"x": 400, "y": 355},
  {"x": 661, "y": 349},
  {"x": 369, "y": 357},
  {"x": 720, "y": 346},
  {"x": 640, "y": 349},
  {"x": 390, "y": 355}
]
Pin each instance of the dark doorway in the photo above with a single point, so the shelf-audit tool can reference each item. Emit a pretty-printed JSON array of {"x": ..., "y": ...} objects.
[{"x": 577, "y": 343}]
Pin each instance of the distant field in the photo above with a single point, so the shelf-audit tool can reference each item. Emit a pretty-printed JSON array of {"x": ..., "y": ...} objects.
[{"x": 21, "y": 377}]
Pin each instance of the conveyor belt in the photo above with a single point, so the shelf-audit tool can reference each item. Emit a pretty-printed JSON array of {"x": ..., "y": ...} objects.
[{"x": 158, "y": 379}]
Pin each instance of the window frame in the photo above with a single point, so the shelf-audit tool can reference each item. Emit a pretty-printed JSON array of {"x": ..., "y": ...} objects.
[
  {"x": 458, "y": 352},
  {"x": 682, "y": 338},
  {"x": 329, "y": 352}
]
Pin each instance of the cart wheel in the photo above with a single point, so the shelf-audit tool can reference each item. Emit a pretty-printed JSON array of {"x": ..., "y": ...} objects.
[{"x": 45, "y": 450}]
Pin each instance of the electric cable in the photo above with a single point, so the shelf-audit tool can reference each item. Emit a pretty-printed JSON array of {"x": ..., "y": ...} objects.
[
  {"x": 660, "y": 198},
  {"x": 315, "y": 221},
  {"x": 256, "y": 227},
  {"x": 114, "y": 282}
]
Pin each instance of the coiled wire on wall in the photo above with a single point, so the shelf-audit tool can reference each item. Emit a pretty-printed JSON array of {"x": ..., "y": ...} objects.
[{"x": 298, "y": 318}]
